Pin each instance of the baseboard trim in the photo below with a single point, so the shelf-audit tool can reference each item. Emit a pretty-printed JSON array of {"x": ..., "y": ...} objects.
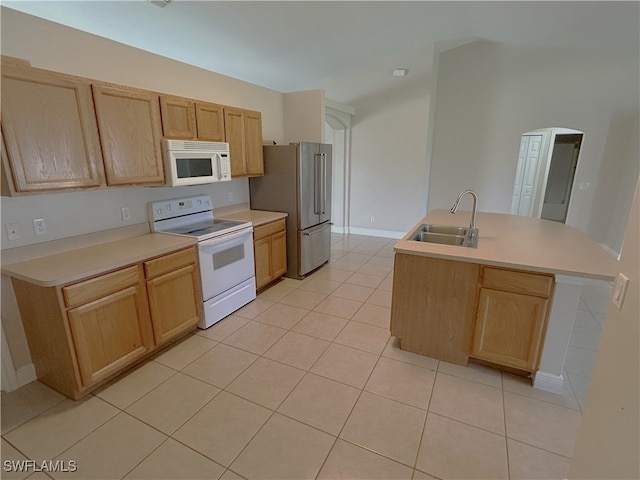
[
  {"x": 26, "y": 374},
  {"x": 368, "y": 232},
  {"x": 549, "y": 382}
]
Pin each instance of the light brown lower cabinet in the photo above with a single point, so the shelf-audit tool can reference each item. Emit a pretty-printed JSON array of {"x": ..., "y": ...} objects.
[
  {"x": 82, "y": 334},
  {"x": 454, "y": 311},
  {"x": 511, "y": 321},
  {"x": 174, "y": 294},
  {"x": 112, "y": 328},
  {"x": 433, "y": 306},
  {"x": 270, "y": 252}
]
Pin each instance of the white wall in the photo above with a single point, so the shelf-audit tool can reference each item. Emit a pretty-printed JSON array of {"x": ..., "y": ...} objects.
[
  {"x": 490, "y": 94},
  {"x": 304, "y": 116},
  {"x": 608, "y": 441},
  {"x": 388, "y": 160},
  {"x": 616, "y": 180}
]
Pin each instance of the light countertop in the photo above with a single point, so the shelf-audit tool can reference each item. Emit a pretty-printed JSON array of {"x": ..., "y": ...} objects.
[
  {"x": 77, "y": 264},
  {"x": 519, "y": 242},
  {"x": 257, "y": 217}
]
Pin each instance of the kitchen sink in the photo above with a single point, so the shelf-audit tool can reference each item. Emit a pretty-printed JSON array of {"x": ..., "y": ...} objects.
[
  {"x": 442, "y": 238},
  {"x": 446, "y": 235},
  {"x": 443, "y": 229}
]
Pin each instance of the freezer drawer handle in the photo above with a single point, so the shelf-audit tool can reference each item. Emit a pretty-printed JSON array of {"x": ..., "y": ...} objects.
[{"x": 309, "y": 234}]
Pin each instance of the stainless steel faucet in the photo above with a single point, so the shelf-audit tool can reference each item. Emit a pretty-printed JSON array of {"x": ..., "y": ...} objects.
[
  {"x": 472, "y": 236},
  {"x": 475, "y": 206}
]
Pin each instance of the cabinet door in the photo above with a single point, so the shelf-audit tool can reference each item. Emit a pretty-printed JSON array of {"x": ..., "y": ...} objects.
[
  {"x": 130, "y": 132},
  {"x": 110, "y": 333},
  {"x": 174, "y": 300},
  {"x": 210, "y": 122},
  {"x": 49, "y": 127},
  {"x": 253, "y": 143},
  {"x": 279, "y": 254},
  {"x": 178, "y": 118},
  {"x": 262, "y": 256},
  {"x": 509, "y": 328},
  {"x": 234, "y": 134}
]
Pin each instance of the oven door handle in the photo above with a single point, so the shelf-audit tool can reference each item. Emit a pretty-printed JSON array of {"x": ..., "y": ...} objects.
[{"x": 224, "y": 238}]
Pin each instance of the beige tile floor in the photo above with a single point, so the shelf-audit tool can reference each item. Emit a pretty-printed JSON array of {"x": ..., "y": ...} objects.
[{"x": 305, "y": 382}]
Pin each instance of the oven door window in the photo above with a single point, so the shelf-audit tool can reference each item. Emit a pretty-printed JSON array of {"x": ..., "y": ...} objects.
[
  {"x": 194, "y": 167},
  {"x": 227, "y": 257}
]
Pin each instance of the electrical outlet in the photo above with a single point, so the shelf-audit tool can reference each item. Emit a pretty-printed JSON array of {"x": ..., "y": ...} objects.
[
  {"x": 619, "y": 290},
  {"x": 372, "y": 219},
  {"x": 13, "y": 231},
  {"x": 124, "y": 213},
  {"x": 39, "y": 226}
]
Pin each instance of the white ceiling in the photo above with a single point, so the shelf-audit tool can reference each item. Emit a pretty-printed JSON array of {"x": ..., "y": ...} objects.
[{"x": 349, "y": 49}]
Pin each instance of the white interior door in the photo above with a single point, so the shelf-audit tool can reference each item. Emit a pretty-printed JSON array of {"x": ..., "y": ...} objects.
[{"x": 524, "y": 185}]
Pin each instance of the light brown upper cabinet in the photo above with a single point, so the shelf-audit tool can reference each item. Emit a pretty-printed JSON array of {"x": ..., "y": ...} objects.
[
  {"x": 130, "y": 133},
  {"x": 186, "y": 119},
  {"x": 178, "y": 118},
  {"x": 243, "y": 132},
  {"x": 210, "y": 121},
  {"x": 50, "y": 132}
]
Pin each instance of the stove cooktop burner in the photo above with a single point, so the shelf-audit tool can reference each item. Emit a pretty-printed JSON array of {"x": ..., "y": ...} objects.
[
  {"x": 191, "y": 216},
  {"x": 207, "y": 229}
]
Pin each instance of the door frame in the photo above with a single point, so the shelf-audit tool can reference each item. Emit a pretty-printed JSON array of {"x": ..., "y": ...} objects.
[{"x": 544, "y": 166}]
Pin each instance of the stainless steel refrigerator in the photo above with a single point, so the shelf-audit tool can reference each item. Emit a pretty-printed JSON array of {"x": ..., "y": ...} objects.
[{"x": 297, "y": 180}]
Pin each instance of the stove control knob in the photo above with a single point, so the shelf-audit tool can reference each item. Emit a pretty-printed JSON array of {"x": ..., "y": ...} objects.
[
  {"x": 159, "y": 211},
  {"x": 168, "y": 207}
]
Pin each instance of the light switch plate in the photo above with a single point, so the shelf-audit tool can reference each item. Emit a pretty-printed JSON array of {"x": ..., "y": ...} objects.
[{"x": 619, "y": 290}]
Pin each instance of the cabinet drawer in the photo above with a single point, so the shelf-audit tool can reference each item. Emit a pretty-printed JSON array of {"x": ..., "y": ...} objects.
[
  {"x": 518, "y": 282},
  {"x": 262, "y": 231},
  {"x": 84, "y": 292},
  {"x": 170, "y": 262}
]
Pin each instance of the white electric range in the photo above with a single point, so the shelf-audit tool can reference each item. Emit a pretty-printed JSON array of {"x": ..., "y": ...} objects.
[{"x": 225, "y": 251}]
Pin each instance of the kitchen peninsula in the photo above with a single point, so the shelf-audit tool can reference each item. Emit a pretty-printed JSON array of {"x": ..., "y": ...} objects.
[{"x": 510, "y": 302}]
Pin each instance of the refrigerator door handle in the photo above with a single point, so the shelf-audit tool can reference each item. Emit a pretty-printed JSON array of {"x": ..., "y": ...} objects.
[
  {"x": 323, "y": 180},
  {"x": 317, "y": 183}
]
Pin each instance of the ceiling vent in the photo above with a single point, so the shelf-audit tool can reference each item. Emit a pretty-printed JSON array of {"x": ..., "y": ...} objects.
[{"x": 161, "y": 3}]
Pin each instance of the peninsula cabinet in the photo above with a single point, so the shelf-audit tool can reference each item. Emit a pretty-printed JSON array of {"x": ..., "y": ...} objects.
[
  {"x": 454, "y": 311},
  {"x": 130, "y": 132},
  {"x": 186, "y": 119},
  {"x": 433, "y": 306},
  {"x": 50, "y": 132},
  {"x": 513, "y": 310},
  {"x": 270, "y": 252},
  {"x": 84, "y": 333},
  {"x": 243, "y": 132}
]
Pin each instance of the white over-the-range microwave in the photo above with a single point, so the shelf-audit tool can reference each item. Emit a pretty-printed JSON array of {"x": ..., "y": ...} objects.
[{"x": 194, "y": 162}]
